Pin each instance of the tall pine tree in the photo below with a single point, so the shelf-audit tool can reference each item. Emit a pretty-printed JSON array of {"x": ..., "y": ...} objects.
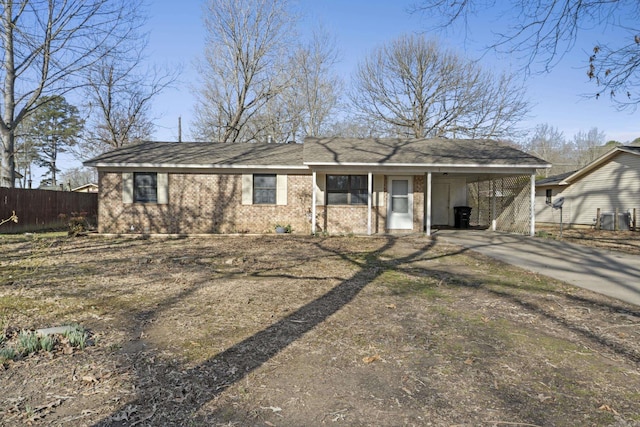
[{"x": 53, "y": 128}]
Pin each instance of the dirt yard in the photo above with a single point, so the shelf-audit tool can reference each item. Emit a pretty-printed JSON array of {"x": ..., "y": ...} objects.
[
  {"x": 301, "y": 331},
  {"x": 623, "y": 241}
]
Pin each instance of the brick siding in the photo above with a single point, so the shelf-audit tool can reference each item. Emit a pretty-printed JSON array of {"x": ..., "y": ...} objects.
[{"x": 212, "y": 203}]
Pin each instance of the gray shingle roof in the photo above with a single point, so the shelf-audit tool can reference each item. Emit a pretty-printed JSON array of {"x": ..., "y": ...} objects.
[
  {"x": 415, "y": 152},
  {"x": 202, "y": 154},
  {"x": 631, "y": 148},
  {"x": 570, "y": 177},
  {"x": 555, "y": 179},
  {"x": 319, "y": 151}
]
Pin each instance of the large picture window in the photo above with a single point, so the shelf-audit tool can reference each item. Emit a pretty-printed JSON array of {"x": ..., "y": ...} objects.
[
  {"x": 145, "y": 187},
  {"x": 347, "y": 189},
  {"x": 264, "y": 189}
]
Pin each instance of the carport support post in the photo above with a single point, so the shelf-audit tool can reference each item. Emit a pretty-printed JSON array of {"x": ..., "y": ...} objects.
[
  {"x": 532, "y": 208},
  {"x": 428, "y": 216},
  {"x": 493, "y": 204},
  {"x": 313, "y": 203},
  {"x": 369, "y": 197}
]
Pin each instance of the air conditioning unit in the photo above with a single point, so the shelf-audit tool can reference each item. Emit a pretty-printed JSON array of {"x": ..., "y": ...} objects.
[{"x": 607, "y": 221}]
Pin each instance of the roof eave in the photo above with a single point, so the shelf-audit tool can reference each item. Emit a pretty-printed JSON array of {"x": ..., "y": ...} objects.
[
  {"x": 429, "y": 165},
  {"x": 596, "y": 163},
  {"x": 188, "y": 166}
]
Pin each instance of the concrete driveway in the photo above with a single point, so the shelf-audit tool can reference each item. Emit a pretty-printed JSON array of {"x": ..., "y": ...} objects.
[{"x": 610, "y": 273}]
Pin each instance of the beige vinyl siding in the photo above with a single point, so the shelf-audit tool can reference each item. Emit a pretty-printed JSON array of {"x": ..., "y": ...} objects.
[
  {"x": 546, "y": 214},
  {"x": 615, "y": 184}
]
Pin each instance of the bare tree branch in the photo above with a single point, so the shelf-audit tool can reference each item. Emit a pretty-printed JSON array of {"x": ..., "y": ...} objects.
[
  {"x": 419, "y": 89},
  {"x": 543, "y": 31},
  {"x": 244, "y": 68},
  {"x": 46, "y": 45}
]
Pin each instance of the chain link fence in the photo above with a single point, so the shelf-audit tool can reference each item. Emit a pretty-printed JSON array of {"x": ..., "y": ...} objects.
[{"x": 507, "y": 200}]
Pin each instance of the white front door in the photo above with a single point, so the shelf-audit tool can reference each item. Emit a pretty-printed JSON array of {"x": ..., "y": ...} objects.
[
  {"x": 440, "y": 204},
  {"x": 400, "y": 210}
]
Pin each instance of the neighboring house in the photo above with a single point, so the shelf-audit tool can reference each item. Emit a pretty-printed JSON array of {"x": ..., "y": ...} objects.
[
  {"x": 87, "y": 188},
  {"x": 610, "y": 182},
  {"x": 334, "y": 185}
]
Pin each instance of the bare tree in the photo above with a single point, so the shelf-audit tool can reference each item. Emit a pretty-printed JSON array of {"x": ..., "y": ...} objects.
[
  {"x": 280, "y": 119},
  {"x": 26, "y": 154},
  {"x": 118, "y": 95},
  {"x": 549, "y": 143},
  {"x": 417, "y": 88},
  {"x": 589, "y": 145},
  {"x": 243, "y": 70},
  {"x": 543, "y": 31},
  {"x": 46, "y": 45},
  {"x": 76, "y": 177},
  {"x": 309, "y": 97},
  {"x": 315, "y": 83},
  {"x": 354, "y": 127}
]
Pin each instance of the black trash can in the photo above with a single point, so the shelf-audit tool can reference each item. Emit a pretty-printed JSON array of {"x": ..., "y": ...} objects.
[{"x": 461, "y": 214}]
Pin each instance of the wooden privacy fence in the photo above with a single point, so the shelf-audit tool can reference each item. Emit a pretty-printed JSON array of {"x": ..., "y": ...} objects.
[{"x": 39, "y": 210}]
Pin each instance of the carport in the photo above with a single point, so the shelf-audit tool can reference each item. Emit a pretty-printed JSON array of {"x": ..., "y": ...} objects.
[{"x": 416, "y": 184}]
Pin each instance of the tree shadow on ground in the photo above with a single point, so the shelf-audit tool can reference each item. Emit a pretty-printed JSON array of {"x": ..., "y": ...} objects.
[{"x": 217, "y": 374}]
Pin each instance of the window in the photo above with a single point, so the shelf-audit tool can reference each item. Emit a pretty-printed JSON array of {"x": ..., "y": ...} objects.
[
  {"x": 549, "y": 194},
  {"x": 400, "y": 196},
  {"x": 145, "y": 187},
  {"x": 264, "y": 189},
  {"x": 347, "y": 189}
]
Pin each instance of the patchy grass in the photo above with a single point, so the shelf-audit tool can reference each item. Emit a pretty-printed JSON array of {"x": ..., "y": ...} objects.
[
  {"x": 293, "y": 330},
  {"x": 621, "y": 241}
]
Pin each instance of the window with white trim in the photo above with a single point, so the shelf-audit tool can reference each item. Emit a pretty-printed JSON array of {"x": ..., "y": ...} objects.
[
  {"x": 145, "y": 187},
  {"x": 264, "y": 189}
]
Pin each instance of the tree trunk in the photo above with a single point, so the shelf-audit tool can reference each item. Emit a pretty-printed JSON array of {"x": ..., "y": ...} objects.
[
  {"x": 8, "y": 163},
  {"x": 7, "y": 132}
]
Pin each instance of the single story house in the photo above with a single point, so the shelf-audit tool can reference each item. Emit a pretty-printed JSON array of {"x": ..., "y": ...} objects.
[
  {"x": 333, "y": 185},
  {"x": 610, "y": 182},
  {"x": 86, "y": 188}
]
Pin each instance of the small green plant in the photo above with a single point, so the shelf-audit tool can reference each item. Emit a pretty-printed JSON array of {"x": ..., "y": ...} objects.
[
  {"x": 283, "y": 228},
  {"x": 29, "y": 411},
  {"x": 77, "y": 336},
  {"x": 7, "y": 353},
  {"x": 28, "y": 342},
  {"x": 47, "y": 342}
]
